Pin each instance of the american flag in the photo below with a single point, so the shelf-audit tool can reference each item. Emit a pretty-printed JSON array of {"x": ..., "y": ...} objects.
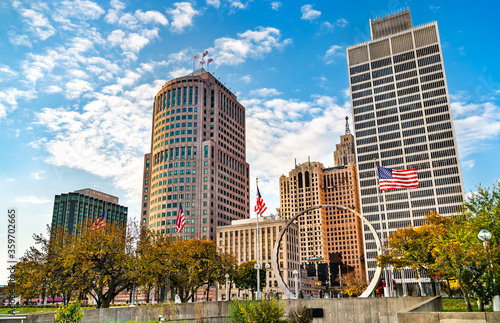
[
  {"x": 391, "y": 179},
  {"x": 210, "y": 60},
  {"x": 260, "y": 207},
  {"x": 100, "y": 222},
  {"x": 196, "y": 57},
  {"x": 205, "y": 53},
  {"x": 180, "y": 222}
]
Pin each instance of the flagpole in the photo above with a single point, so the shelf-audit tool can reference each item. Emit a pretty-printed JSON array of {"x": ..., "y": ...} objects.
[
  {"x": 380, "y": 222},
  {"x": 258, "y": 261}
]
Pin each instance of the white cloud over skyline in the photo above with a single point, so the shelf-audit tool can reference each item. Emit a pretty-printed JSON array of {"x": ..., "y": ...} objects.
[{"x": 308, "y": 13}]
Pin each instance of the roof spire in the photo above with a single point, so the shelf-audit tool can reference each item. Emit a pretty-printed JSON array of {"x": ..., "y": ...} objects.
[{"x": 347, "y": 131}]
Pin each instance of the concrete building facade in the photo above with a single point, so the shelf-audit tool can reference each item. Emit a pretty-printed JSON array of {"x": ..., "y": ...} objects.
[
  {"x": 83, "y": 207},
  {"x": 240, "y": 238},
  {"x": 402, "y": 119},
  {"x": 198, "y": 158}
]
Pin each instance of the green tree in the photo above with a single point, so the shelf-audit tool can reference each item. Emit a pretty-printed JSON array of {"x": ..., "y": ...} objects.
[{"x": 246, "y": 277}]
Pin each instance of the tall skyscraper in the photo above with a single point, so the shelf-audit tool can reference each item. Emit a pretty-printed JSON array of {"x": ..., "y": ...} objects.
[
  {"x": 84, "y": 207},
  {"x": 345, "y": 152},
  {"x": 197, "y": 158},
  {"x": 402, "y": 118}
]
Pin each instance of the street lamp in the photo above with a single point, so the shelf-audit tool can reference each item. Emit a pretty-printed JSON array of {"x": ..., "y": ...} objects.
[
  {"x": 296, "y": 274},
  {"x": 485, "y": 236},
  {"x": 268, "y": 266},
  {"x": 227, "y": 286}
]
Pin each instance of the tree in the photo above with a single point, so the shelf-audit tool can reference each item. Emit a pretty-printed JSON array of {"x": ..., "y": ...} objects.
[
  {"x": 101, "y": 262},
  {"x": 193, "y": 263},
  {"x": 246, "y": 276},
  {"x": 413, "y": 247},
  {"x": 354, "y": 285},
  {"x": 448, "y": 248}
]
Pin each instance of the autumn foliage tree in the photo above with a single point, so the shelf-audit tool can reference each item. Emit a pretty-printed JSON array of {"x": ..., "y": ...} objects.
[
  {"x": 448, "y": 248},
  {"x": 106, "y": 261}
]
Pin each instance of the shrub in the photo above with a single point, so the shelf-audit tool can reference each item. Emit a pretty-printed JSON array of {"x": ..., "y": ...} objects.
[
  {"x": 236, "y": 310},
  {"x": 264, "y": 311},
  {"x": 300, "y": 315},
  {"x": 69, "y": 314}
]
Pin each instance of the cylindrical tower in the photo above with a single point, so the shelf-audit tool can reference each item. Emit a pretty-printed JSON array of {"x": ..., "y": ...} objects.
[{"x": 197, "y": 158}]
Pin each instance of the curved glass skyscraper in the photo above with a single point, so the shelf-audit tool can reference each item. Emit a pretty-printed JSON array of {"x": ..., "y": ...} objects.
[{"x": 197, "y": 158}]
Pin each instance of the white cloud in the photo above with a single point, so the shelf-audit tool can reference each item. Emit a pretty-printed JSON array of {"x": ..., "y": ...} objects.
[
  {"x": 341, "y": 22},
  {"x": 238, "y": 4},
  {"x": 9, "y": 179},
  {"x": 252, "y": 43},
  {"x": 467, "y": 164},
  {"x": 477, "y": 126},
  {"x": 308, "y": 13},
  {"x": 265, "y": 92},
  {"x": 213, "y": 3},
  {"x": 182, "y": 71},
  {"x": 80, "y": 9},
  {"x": 9, "y": 98},
  {"x": 276, "y": 5},
  {"x": 151, "y": 17},
  {"x": 19, "y": 40},
  {"x": 6, "y": 73},
  {"x": 182, "y": 16},
  {"x": 278, "y": 131},
  {"x": 332, "y": 52},
  {"x": 434, "y": 8},
  {"x": 107, "y": 136},
  {"x": 75, "y": 88},
  {"x": 37, "y": 175},
  {"x": 31, "y": 199},
  {"x": 246, "y": 78},
  {"x": 37, "y": 23},
  {"x": 132, "y": 42}
]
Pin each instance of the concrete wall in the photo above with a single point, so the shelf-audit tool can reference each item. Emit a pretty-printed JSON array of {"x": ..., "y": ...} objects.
[
  {"x": 449, "y": 317},
  {"x": 378, "y": 310}
]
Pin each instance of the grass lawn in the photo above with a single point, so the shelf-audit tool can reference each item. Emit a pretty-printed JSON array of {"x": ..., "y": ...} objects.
[
  {"x": 458, "y": 305},
  {"x": 31, "y": 310}
]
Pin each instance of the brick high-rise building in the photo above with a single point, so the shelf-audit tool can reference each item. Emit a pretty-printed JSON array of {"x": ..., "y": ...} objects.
[
  {"x": 198, "y": 158},
  {"x": 84, "y": 207},
  {"x": 327, "y": 230},
  {"x": 298, "y": 191},
  {"x": 343, "y": 228},
  {"x": 402, "y": 118}
]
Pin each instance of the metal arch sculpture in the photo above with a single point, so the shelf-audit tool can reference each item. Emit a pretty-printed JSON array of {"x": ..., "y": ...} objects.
[{"x": 274, "y": 260}]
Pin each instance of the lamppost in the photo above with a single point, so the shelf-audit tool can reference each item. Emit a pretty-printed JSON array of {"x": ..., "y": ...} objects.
[
  {"x": 227, "y": 287},
  {"x": 485, "y": 236},
  {"x": 296, "y": 274},
  {"x": 268, "y": 266}
]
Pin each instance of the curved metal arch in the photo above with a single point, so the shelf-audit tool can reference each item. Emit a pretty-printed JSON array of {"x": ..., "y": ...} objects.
[{"x": 274, "y": 260}]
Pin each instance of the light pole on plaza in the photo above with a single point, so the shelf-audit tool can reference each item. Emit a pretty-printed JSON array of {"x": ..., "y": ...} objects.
[{"x": 485, "y": 236}]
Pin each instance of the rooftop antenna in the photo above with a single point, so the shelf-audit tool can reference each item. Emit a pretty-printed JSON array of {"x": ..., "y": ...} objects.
[{"x": 347, "y": 130}]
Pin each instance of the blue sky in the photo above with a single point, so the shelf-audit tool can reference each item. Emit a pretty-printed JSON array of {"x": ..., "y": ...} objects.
[{"x": 77, "y": 81}]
